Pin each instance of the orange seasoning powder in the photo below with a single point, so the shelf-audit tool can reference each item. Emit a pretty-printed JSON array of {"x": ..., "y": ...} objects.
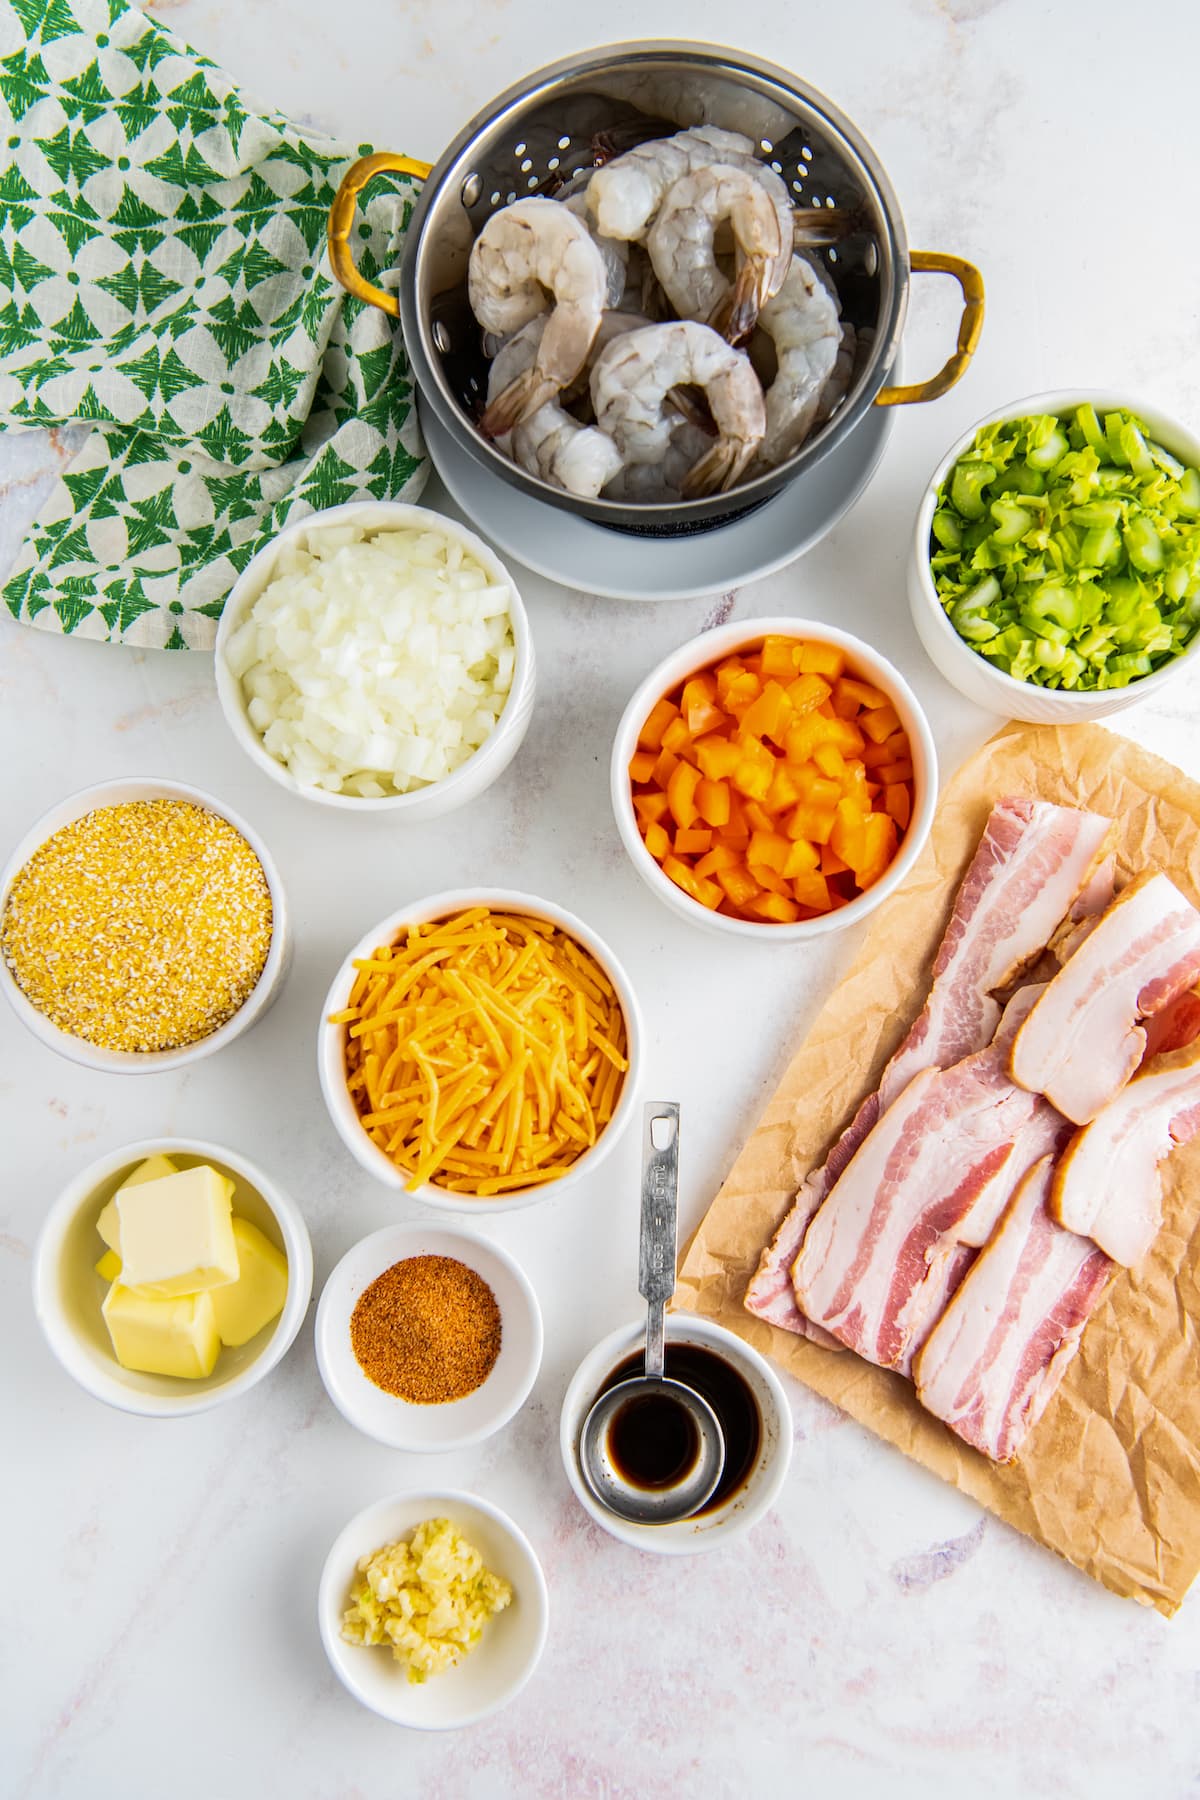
[{"x": 426, "y": 1330}]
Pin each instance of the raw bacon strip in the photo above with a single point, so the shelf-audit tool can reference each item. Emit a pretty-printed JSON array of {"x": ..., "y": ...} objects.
[
  {"x": 999, "y": 1351},
  {"x": 872, "y": 1269},
  {"x": 1033, "y": 861},
  {"x": 1083, "y": 1039},
  {"x": 1107, "y": 1186}
]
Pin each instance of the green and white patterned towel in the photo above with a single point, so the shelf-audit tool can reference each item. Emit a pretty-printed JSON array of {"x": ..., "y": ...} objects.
[{"x": 164, "y": 277}]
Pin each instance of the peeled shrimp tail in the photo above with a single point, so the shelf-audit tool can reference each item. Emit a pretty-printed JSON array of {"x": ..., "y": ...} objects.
[
  {"x": 530, "y": 391},
  {"x": 824, "y": 225},
  {"x": 720, "y": 469},
  {"x": 736, "y": 314}
]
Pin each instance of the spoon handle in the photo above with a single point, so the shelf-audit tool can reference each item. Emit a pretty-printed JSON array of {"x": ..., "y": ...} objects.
[{"x": 660, "y": 1193}]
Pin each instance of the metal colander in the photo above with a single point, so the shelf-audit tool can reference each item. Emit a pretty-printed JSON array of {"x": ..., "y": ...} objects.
[{"x": 576, "y": 113}]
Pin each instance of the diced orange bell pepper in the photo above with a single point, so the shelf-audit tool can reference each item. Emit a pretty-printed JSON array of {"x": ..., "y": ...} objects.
[
  {"x": 777, "y": 909},
  {"x": 831, "y": 862},
  {"x": 658, "y": 841},
  {"x": 778, "y": 657},
  {"x": 712, "y": 802},
  {"x": 805, "y": 734},
  {"x": 694, "y": 841},
  {"x": 698, "y": 691},
  {"x": 861, "y": 693},
  {"x": 820, "y": 659},
  {"x": 739, "y": 692},
  {"x": 897, "y": 800},
  {"x": 897, "y": 771},
  {"x": 831, "y": 762},
  {"x": 739, "y": 885},
  {"x": 677, "y": 736},
  {"x": 756, "y": 766},
  {"x": 879, "y": 844},
  {"x": 846, "y": 735},
  {"x": 892, "y": 749},
  {"x": 769, "y": 715},
  {"x": 718, "y": 757},
  {"x": 641, "y": 765},
  {"x": 681, "y": 794},
  {"x": 757, "y": 817},
  {"x": 770, "y": 848},
  {"x": 825, "y": 793},
  {"x": 664, "y": 768},
  {"x": 651, "y": 735},
  {"x": 721, "y": 856},
  {"x": 801, "y": 859},
  {"x": 848, "y": 835},
  {"x": 650, "y": 808},
  {"x": 706, "y": 892},
  {"x": 812, "y": 890},
  {"x": 784, "y": 790},
  {"x": 768, "y": 878},
  {"x": 880, "y": 723},
  {"x": 814, "y": 822},
  {"x": 808, "y": 692}
]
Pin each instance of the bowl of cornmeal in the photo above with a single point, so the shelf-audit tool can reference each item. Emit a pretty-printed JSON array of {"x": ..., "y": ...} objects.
[{"x": 171, "y": 1276}]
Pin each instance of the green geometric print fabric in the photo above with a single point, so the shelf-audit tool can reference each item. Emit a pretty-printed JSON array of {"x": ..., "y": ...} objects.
[{"x": 164, "y": 278}]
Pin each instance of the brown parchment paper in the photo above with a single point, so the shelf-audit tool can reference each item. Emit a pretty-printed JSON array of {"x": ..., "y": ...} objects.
[{"x": 1110, "y": 1476}]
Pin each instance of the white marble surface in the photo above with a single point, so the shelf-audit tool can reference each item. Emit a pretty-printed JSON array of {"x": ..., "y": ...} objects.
[{"x": 159, "y": 1633}]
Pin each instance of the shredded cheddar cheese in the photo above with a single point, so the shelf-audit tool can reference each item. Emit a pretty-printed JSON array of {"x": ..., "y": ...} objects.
[{"x": 485, "y": 1051}]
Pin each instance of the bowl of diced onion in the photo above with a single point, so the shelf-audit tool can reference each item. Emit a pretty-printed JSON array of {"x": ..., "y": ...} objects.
[
  {"x": 1054, "y": 573},
  {"x": 377, "y": 657}
]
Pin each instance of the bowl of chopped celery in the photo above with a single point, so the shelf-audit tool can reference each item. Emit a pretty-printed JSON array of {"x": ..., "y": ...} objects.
[{"x": 1055, "y": 566}]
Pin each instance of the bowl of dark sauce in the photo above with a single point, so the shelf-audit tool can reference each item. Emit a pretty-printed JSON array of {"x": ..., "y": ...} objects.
[{"x": 648, "y": 1439}]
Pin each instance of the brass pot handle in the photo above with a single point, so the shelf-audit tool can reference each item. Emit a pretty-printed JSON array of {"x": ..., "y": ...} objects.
[
  {"x": 341, "y": 223},
  {"x": 970, "y": 281}
]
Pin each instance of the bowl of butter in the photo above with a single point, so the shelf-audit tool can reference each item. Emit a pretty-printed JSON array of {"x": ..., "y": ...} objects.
[{"x": 171, "y": 1276}]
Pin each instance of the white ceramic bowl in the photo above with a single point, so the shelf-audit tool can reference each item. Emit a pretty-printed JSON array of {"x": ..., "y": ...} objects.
[
  {"x": 971, "y": 673},
  {"x": 331, "y": 1040},
  {"x": 454, "y": 1424},
  {"x": 67, "y": 1292},
  {"x": 149, "y": 1062},
  {"x": 496, "y": 751},
  {"x": 700, "y": 653},
  {"x": 500, "y": 1664},
  {"x": 740, "y": 1510}
]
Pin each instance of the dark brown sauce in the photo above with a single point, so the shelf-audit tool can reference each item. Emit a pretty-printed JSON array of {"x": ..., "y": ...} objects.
[{"x": 653, "y": 1442}]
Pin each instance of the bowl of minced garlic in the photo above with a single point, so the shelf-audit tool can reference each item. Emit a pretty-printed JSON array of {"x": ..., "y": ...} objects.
[
  {"x": 433, "y": 1609},
  {"x": 142, "y": 925},
  {"x": 480, "y": 1050}
]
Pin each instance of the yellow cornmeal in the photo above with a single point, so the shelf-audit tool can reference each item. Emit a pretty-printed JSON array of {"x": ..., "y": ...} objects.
[{"x": 139, "y": 927}]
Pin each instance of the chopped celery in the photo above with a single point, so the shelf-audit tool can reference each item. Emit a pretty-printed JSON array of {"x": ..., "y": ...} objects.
[{"x": 1067, "y": 550}]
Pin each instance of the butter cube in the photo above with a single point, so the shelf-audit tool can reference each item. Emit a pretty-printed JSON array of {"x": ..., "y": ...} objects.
[
  {"x": 109, "y": 1266},
  {"x": 175, "y": 1234},
  {"x": 162, "y": 1337},
  {"x": 247, "y": 1304},
  {"x": 153, "y": 1169}
]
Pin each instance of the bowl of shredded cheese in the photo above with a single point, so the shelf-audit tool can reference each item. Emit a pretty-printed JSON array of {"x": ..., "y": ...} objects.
[
  {"x": 480, "y": 1050},
  {"x": 377, "y": 657},
  {"x": 142, "y": 926}
]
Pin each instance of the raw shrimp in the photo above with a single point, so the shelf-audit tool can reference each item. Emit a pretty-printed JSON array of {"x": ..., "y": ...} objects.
[
  {"x": 614, "y": 251},
  {"x": 634, "y": 376},
  {"x": 662, "y": 480},
  {"x": 550, "y": 443},
  {"x": 531, "y": 256},
  {"x": 682, "y": 245},
  {"x": 626, "y": 193},
  {"x": 834, "y": 391},
  {"x": 804, "y": 324}
]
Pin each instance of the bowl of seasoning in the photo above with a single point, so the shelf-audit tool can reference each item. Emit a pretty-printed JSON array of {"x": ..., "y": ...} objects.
[
  {"x": 480, "y": 1050},
  {"x": 142, "y": 926},
  {"x": 428, "y": 1338},
  {"x": 1054, "y": 571},
  {"x": 218, "y": 1331},
  {"x": 748, "y": 1399}
]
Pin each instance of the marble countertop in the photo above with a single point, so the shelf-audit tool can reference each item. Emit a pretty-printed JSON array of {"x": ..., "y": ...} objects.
[{"x": 877, "y": 1629}]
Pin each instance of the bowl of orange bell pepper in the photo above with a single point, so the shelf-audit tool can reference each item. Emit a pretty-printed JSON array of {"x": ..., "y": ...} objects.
[{"x": 774, "y": 778}]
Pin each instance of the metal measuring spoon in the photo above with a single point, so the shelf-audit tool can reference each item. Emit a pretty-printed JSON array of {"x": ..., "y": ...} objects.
[{"x": 676, "y": 1424}]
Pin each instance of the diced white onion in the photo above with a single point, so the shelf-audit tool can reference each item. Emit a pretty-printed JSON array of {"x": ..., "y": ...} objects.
[{"x": 375, "y": 664}]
